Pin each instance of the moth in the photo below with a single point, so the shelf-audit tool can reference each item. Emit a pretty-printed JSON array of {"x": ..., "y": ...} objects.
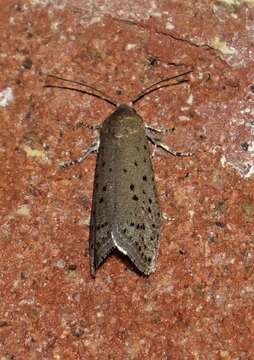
[{"x": 125, "y": 209}]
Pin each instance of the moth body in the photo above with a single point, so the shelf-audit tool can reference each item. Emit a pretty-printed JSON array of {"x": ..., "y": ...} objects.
[{"x": 125, "y": 211}]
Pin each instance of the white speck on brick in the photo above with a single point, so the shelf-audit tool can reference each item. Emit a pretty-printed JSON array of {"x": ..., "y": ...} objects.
[
  {"x": 245, "y": 111},
  {"x": 156, "y": 14},
  {"x": 251, "y": 146},
  {"x": 223, "y": 161},
  {"x": 250, "y": 172},
  {"x": 55, "y": 26},
  {"x": 99, "y": 314},
  {"x": 28, "y": 301},
  {"x": 95, "y": 20},
  {"x": 12, "y": 20},
  {"x": 60, "y": 264},
  {"x": 130, "y": 46},
  {"x": 184, "y": 118},
  {"x": 170, "y": 26},
  {"x": 6, "y": 97},
  {"x": 23, "y": 210},
  {"x": 221, "y": 45},
  {"x": 190, "y": 100}
]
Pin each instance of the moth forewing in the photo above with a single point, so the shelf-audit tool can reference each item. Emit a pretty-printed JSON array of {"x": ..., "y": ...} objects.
[{"x": 125, "y": 211}]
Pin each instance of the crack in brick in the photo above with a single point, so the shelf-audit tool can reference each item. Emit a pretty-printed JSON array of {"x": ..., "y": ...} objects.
[{"x": 164, "y": 33}]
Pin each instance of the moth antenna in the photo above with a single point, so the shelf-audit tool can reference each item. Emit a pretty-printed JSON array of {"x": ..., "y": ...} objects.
[
  {"x": 157, "y": 86},
  {"x": 101, "y": 95}
]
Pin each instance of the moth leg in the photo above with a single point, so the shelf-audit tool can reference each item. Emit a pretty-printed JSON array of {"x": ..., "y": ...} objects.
[
  {"x": 90, "y": 127},
  {"x": 158, "y": 130},
  {"x": 158, "y": 143},
  {"x": 94, "y": 147}
]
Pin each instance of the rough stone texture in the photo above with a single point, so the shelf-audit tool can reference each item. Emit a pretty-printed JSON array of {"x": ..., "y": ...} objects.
[{"x": 199, "y": 303}]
